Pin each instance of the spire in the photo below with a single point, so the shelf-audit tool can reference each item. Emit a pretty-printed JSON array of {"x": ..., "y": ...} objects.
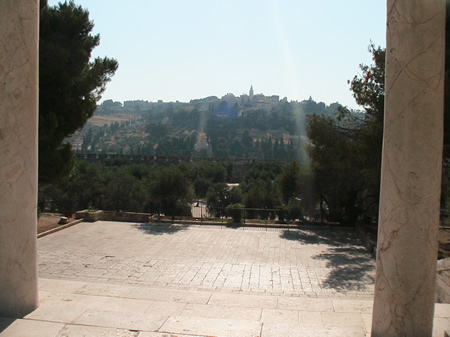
[{"x": 251, "y": 91}]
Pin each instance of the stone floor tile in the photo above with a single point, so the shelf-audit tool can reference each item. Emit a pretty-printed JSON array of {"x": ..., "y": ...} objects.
[
  {"x": 28, "y": 328},
  {"x": 171, "y": 295},
  {"x": 310, "y": 330},
  {"x": 440, "y": 325},
  {"x": 309, "y": 317},
  {"x": 273, "y": 261},
  {"x": 305, "y": 304},
  {"x": 94, "y": 331},
  {"x": 211, "y": 327},
  {"x": 442, "y": 310},
  {"x": 279, "y": 316},
  {"x": 353, "y": 305},
  {"x": 216, "y": 311},
  {"x": 58, "y": 307},
  {"x": 60, "y": 286},
  {"x": 103, "y": 289},
  {"x": 115, "y": 304},
  {"x": 246, "y": 301},
  {"x": 367, "y": 322},
  {"x": 121, "y": 320},
  {"x": 166, "y": 308},
  {"x": 341, "y": 318},
  {"x": 162, "y": 334}
]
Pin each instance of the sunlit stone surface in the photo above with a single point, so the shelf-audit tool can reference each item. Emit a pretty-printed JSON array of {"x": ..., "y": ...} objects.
[
  {"x": 18, "y": 156},
  {"x": 411, "y": 172}
]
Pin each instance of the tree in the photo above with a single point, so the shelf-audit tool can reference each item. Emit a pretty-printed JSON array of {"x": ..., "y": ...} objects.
[
  {"x": 346, "y": 151},
  {"x": 204, "y": 175},
  {"x": 236, "y": 211},
  {"x": 70, "y": 84},
  {"x": 218, "y": 198},
  {"x": 170, "y": 190},
  {"x": 124, "y": 192},
  {"x": 336, "y": 175},
  {"x": 289, "y": 182},
  {"x": 296, "y": 190}
]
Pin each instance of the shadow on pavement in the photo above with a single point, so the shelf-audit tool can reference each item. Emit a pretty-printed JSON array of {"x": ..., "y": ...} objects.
[
  {"x": 351, "y": 265},
  {"x": 5, "y": 322},
  {"x": 233, "y": 225},
  {"x": 161, "y": 228},
  {"x": 351, "y": 268},
  {"x": 327, "y": 237}
]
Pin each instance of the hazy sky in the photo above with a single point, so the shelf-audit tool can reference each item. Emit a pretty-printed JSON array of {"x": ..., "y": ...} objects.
[{"x": 184, "y": 49}]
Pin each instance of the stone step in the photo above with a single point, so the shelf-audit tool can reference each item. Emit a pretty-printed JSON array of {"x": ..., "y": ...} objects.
[
  {"x": 74, "y": 308},
  {"x": 174, "y": 326},
  {"x": 202, "y": 313}
]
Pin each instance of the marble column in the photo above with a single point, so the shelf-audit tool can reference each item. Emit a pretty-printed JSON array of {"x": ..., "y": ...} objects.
[
  {"x": 19, "y": 40},
  {"x": 411, "y": 169}
]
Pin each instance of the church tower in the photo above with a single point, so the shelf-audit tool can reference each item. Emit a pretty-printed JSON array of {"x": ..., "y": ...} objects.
[{"x": 251, "y": 91}]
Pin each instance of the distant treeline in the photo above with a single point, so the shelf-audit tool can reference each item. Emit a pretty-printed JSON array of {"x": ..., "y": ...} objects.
[{"x": 119, "y": 185}]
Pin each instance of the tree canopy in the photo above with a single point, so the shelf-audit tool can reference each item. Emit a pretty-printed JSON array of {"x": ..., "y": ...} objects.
[
  {"x": 346, "y": 150},
  {"x": 70, "y": 83}
]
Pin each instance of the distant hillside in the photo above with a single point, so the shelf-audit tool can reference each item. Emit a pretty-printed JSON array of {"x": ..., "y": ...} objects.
[{"x": 248, "y": 126}]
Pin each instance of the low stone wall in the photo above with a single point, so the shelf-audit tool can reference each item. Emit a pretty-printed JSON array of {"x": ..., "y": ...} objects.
[
  {"x": 443, "y": 281},
  {"x": 57, "y": 229},
  {"x": 126, "y": 216},
  {"x": 92, "y": 216},
  {"x": 89, "y": 216}
]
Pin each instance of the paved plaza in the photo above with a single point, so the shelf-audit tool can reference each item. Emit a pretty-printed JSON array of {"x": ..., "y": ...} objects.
[
  {"x": 166, "y": 280},
  {"x": 201, "y": 257}
]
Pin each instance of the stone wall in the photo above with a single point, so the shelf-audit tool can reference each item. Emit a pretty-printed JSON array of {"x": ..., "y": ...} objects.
[
  {"x": 92, "y": 216},
  {"x": 126, "y": 216},
  {"x": 89, "y": 216}
]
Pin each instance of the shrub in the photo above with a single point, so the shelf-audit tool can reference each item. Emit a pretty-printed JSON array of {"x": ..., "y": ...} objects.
[{"x": 236, "y": 211}]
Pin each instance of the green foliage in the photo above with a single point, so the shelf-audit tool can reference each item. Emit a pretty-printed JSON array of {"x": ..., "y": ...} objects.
[
  {"x": 176, "y": 145},
  {"x": 289, "y": 182},
  {"x": 157, "y": 130},
  {"x": 170, "y": 190},
  {"x": 236, "y": 211},
  {"x": 97, "y": 186},
  {"x": 297, "y": 190},
  {"x": 445, "y": 194},
  {"x": 281, "y": 213},
  {"x": 218, "y": 198},
  {"x": 447, "y": 88},
  {"x": 204, "y": 175},
  {"x": 260, "y": 189},
  {"x": 125, "y": 192},
  {"x": 294, "y": 209},
  {"x": 261, "y": 172},
  {"x": 262, "y": 195},
  {"x": 346, "y": 152},
  {"x": 271, "y": 131},
  {"x": 70, "y": 83},
  {"x": 120, "y": 186}
]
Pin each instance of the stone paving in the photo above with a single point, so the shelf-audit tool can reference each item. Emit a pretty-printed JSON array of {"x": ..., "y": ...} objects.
[
  {"x": 261, "y": 260},
  {"x": 141, "y": 280}
]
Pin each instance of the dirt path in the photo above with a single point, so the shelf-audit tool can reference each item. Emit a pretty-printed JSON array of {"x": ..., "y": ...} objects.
[{"x": 49, "y": 221}]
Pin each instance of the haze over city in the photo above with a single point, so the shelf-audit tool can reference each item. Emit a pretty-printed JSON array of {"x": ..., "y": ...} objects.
[{"x": 177, "y": 50}]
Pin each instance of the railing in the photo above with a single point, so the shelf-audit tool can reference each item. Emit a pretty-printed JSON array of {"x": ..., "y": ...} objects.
[
  {"x": 253, "y": 215},
  {"x": 153, "y": 159}
]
